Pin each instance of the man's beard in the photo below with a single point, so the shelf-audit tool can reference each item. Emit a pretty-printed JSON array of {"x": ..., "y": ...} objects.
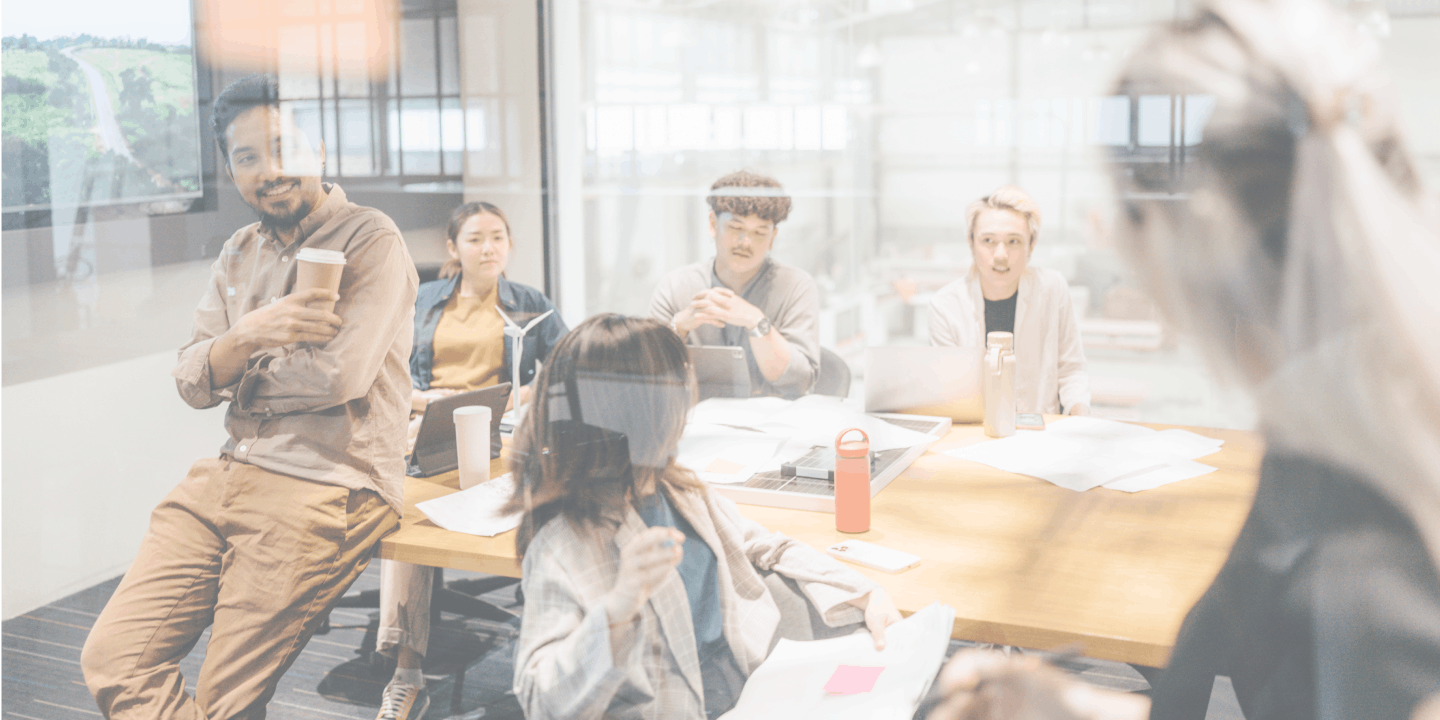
[{"x": 288, "y": 220}]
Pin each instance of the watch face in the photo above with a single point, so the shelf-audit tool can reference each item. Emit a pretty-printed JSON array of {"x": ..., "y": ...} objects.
[{"x": 761, "y": 328}]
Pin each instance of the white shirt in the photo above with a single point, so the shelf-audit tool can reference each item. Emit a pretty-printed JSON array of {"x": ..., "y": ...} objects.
[{"x": 1049, "y": 359}]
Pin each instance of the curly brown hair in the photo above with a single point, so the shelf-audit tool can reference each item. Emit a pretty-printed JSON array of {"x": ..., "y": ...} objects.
[
  {"x": 608, "y": 412},
  {"x": 770, "y": 204}
]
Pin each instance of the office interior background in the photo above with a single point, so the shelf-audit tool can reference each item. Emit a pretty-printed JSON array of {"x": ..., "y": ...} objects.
[{"x": 598, "y": 125}]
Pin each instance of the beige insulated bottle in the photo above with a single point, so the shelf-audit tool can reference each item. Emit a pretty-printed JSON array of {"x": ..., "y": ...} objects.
[{"x": 999, "y": 384}]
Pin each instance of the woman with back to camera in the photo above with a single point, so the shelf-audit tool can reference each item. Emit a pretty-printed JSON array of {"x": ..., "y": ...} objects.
[
  {"x": 459, "y": 345},
  {"x": 646, "y": 594},
  {"x": 1302, "y": 253}
]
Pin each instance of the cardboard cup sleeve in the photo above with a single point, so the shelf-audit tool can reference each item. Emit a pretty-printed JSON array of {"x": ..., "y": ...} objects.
[{"x": 315, "y": 268}]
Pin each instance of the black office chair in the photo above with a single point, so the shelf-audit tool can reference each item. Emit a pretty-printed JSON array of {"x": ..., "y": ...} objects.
[{"x": 834, "y": 377}]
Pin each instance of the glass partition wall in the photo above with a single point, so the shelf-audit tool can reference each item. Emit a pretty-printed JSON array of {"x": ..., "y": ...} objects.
[{"x": 883, "y": 119}]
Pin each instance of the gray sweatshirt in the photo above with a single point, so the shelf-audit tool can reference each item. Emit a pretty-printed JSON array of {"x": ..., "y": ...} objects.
[{"x": 786, "y": 295}]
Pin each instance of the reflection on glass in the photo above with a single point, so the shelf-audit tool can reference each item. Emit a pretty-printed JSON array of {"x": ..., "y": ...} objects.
[
  {"x": 356, "y": 141},
  {"x": 880, "y": 127},
  {"x": 419, "y": 136}
]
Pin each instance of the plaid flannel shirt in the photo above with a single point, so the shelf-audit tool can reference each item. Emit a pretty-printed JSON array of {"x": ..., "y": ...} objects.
[{"x": 565, "y": 668}]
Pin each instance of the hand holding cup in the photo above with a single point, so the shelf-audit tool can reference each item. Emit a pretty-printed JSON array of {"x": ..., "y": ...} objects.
[{"x": 316, "y": 268}]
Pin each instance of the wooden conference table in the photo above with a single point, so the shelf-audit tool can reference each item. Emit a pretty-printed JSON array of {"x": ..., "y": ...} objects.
[{"x": 1022, "y": 561}]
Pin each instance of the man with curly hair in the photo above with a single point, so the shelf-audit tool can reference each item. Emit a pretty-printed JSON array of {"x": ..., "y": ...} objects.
[{"x": 741, "y": 297}]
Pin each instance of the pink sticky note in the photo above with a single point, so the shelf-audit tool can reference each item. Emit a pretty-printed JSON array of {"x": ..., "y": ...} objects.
[
  {"x": 724, "y": 467},
  {"x": 850, "y": 680}
]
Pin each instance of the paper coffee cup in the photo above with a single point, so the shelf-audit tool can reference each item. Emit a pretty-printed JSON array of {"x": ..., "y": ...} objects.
[
  {"x": 472, "y": 444},
  {"x": 316, "y": 268}
]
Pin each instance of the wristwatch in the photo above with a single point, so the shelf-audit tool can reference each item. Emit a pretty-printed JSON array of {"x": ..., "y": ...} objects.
[{"x": 761, "y": 328}]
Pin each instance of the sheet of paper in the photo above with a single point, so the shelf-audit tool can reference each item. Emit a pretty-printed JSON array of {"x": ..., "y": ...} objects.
[
  {"x": 791, "y": 683},
  {"x": 1073, "y": 463},
  {"x": 724, "y": 454},
  {"x": 789, "y": 450},
  {"x": 817, "y": 419},
  {"x": 850, "y": 679},
  {"x": 475, "y": 511},
  {"x": 1163, "y": 475},
  {"x": 739, "y": 412},
  {"x": 1174, "y": 443},
  {"x": 1079, "y": 453}
]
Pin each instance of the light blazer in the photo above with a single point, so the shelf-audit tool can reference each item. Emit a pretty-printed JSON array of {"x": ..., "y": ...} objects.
[
  {"x": 1050, "y": 372},
  {"x": 564, "y": 667}
]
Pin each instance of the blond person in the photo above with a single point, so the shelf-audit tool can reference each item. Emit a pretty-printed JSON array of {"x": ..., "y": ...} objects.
[
  {"x": 460, "y": 345},
  {"x": 1303, "y": 257},
  {"x": 258, "y": 544},
  {"x": 646, "y": 594},
  {"x": 743, "y": 298},
  {"x": 1004, "y": 293}
]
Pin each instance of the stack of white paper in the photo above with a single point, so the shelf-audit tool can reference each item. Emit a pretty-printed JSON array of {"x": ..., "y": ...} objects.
[
  {"x": 812, "y": 420},
  {"x": 475, "y": 511},
  {"x": 725, "y": 454},
  {"x": 790, "y": 683},
  {"x": 1079, "y": 453}
]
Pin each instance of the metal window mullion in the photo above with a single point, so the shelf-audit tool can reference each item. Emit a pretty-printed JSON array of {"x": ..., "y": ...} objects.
[
  {"x": 398, "y": 66},
  {"x": 439, "y": 87}
]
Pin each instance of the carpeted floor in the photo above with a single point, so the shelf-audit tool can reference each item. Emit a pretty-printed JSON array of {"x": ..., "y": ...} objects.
[{"x": 337, "y": 676}]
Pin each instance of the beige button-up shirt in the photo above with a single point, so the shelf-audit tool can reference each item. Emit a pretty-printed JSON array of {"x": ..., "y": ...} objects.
[
  {"x": 334, "y": 412},
  {"x": 1050, "y": 374}
]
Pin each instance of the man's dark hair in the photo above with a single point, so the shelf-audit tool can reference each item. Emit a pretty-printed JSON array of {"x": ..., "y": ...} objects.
[
  {"x": 746, "y": 193},
  {"x": 247, "y": 92}
]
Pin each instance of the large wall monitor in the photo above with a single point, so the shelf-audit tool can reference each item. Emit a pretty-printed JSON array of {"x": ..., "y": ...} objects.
[{"x": 100, "y": 105}]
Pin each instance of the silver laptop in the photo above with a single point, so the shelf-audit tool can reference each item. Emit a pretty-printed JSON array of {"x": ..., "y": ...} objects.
[
  {"x": 922, "y": 380},
  {"x": 720, "y": 371}
]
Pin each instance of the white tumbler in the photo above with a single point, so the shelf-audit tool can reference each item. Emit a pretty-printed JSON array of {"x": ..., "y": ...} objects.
[{"x": 472, "y": 444}]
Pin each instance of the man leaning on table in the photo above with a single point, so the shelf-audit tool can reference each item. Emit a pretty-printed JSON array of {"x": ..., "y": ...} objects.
[
  {"x": 743, "y": 298},
  {"x": 1003, "y": 292},
  {"x": 259, "y": 543}
]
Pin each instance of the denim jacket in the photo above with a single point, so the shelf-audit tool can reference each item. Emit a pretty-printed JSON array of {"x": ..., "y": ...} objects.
[{"x": 521, "y": 302}]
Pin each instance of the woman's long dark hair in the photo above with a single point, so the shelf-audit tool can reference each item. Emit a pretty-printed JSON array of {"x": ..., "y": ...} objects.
[
  {"x": 458, "y": 217},
  {"x": 607, "y": 415}
]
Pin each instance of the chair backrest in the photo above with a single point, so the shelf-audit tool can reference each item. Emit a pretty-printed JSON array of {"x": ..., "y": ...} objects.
[
  {"x": 834, "y": 376},
  {"x": 427, "y": 271}
]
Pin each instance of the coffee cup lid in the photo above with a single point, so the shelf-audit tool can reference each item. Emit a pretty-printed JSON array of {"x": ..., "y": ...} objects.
[{"x": 329, "y": 257}]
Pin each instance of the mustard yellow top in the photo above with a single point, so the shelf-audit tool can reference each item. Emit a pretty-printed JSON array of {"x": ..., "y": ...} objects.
[{"x": 469, "y": 343}]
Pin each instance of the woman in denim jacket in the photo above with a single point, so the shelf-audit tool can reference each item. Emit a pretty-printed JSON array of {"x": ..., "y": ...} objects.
[{"x": 460, "y": 345}]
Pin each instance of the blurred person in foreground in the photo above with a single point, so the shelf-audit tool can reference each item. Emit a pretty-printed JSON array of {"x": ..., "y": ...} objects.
[
  {"x": 1003, "y": 292},
  {"x": 741, "y": 297},
  {"x": 258, "y": 543},
  {"x": 1303, "y": 256},
  {"x": 646, "y": 594}
]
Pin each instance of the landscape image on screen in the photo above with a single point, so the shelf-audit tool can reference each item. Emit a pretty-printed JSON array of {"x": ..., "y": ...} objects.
[{"x": 92, "y": 119}]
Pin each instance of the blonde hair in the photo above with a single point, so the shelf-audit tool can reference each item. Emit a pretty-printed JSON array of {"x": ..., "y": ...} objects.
[
  {"x": 1006, "y": 197},
  {"x": 1304, "y": 255}
]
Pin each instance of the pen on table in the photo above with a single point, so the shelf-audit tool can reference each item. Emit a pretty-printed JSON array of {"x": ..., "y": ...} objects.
[{"x": 1058, "y": 657}]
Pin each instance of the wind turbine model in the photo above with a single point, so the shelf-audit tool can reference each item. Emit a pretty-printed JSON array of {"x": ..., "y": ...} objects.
[{"x": 517, "y": 344}]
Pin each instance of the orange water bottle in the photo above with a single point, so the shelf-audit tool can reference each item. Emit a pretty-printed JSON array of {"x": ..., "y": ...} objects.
[{"x": 852, "y": 482}]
